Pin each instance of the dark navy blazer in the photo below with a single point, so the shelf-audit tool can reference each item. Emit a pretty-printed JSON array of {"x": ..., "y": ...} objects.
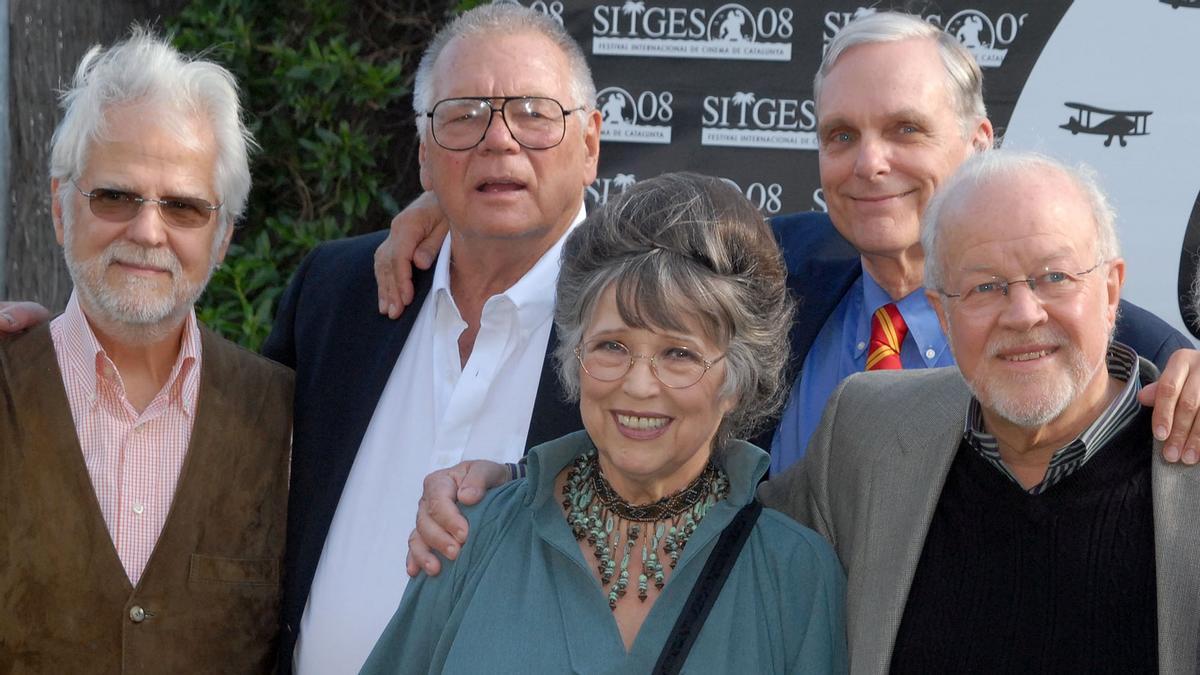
[{"x": 328, "y": 328}]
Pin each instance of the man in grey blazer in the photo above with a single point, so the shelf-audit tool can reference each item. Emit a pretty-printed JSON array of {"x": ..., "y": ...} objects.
[{"x": 1009, "y": 514}]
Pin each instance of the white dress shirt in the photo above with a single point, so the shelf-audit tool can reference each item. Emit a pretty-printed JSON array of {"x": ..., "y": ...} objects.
[{"x": 432, "y": 414}]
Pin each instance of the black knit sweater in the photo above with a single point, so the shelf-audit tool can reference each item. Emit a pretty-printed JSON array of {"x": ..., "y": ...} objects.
[{"x": 1061, "y": 582}]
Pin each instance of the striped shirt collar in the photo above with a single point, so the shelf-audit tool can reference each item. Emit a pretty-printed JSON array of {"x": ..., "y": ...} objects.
[
  {"x": 1122, "y": 364},
  {"x": 87, "y": 357}
]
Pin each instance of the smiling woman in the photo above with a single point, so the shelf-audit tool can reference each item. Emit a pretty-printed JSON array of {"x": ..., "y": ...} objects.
[{"x": 672, "y": 318}]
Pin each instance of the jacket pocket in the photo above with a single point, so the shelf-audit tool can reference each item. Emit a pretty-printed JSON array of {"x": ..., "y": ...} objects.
[{"x": 248, "y": 571}]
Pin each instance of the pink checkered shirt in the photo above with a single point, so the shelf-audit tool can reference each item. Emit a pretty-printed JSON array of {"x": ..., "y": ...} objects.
[{"x": 133, "y": 458}]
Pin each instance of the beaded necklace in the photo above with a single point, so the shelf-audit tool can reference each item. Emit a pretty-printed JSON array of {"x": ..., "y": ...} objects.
[{"x": 596, "y": 512}]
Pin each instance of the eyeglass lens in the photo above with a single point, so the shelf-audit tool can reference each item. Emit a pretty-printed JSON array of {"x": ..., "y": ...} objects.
[
  {"x": 534, "y": 122},
  {"x": 118, "y": 207},
  {"x": 675, "y": 367}
]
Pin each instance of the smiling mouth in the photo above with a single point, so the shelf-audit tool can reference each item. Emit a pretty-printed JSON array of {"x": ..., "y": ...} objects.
[
  {"x": 1020, "y": 357},
  {"x": 875, "y": 199},
  {"x": 138, "y": 268},
  {"x": 642, "y": 423}
]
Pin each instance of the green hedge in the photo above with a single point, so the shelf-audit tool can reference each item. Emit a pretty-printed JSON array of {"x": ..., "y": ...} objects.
[{"x": 325, "y": 87}]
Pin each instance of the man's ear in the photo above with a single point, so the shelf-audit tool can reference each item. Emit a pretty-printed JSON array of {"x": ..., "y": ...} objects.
[
  {"x": 426, "y": 184},
  {"x": 591, "y": 141},
  {"x": 56, "y": 212},
  {"x": 1113, "y": 283},
  {"x": 224, "y": 248},
  {"x": 984, "y": 137},
  {"x": 939, "y": 307}
]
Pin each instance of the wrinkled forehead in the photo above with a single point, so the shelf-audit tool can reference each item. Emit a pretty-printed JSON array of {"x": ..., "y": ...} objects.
[
  {"x": 1023, "y": 222},
  {"x": 501, "y": 64}
]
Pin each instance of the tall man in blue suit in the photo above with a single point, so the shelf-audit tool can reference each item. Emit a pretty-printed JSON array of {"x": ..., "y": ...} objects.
[{"x": 899, "y": 108}]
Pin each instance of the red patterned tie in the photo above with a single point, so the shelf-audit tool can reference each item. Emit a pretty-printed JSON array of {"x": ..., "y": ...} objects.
[{"x": 887, "y": 332}]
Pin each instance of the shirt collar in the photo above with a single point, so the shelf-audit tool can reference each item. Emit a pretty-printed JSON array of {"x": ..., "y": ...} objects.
[
  {"x": 88, "y": 357},
  {"x": 920, "y": 317},
  {"x": 532, "y": 295},
  {"x": 1122, "y": 364}
]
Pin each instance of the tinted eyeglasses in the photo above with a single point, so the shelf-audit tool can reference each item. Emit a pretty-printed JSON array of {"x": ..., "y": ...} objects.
[
  {"x": 118, "y": 206},
  {"x": 535, "y": 122}
]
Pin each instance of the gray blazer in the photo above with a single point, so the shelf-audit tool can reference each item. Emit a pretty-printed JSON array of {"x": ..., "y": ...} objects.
[{"x": 871, "y": 480}]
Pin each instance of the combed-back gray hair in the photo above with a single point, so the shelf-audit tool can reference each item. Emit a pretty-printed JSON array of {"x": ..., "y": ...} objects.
[
  {"x": 682, "y": 249},
  {"x": 502, "y": 19},
  {"x": 145, "y": 69},
  {"x": 985, "y": 167},
  {"x": 964, "y": 80}
]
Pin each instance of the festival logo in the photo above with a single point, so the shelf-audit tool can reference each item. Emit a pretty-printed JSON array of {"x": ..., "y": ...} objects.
[
  {"x": 731, "y": 32},
  {"x": 987, "y": 40},
  {"x": 644, "y": 118},
  {"x": 768, "y": 197},
  {"x": 1088, "y": 119},
  {"x": 605, "y": 188},
  {"x": 551, "y": 8},
  {"x": 746, "y": 120}
]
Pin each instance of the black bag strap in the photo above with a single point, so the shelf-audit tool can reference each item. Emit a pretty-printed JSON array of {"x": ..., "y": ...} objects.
[{"x": 704, "y": 594}]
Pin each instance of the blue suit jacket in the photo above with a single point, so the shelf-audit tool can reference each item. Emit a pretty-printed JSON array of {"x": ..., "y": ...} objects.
[
  {"x": 822, "y": 266},
  {"x": 328, "y": 328}
]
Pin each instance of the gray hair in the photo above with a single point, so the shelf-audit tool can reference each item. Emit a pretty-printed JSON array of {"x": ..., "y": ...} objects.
[
  {"x": 503, "y": 19},
  {"x": 146, "y": 69},
  {"x": 982, "y": 168},
  {"x": 964, "y": 80},
  {"x": 680, "y": 248}
]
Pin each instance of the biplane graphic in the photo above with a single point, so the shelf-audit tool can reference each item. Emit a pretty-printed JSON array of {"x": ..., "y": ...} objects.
[
  {"x": 1176, "y": 4},
  {"x": 1118, "y": 123}
]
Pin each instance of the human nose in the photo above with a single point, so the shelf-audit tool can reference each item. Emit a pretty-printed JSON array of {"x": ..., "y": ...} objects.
[
  {"x": 871, "y": 159},
  {"x": 497, "y": 136},
  {"x": 1023, "y": 309},
  {"x": 640, "y": 380},
  {"x": 147, "y": 226}
]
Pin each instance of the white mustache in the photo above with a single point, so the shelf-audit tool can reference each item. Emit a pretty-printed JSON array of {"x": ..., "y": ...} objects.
[
  {"x": 131, "y": 254},
  {"x": 1043, "y": 336}
]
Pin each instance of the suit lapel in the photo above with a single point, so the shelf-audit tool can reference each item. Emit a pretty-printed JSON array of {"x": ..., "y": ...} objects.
[
  {"x": 1176, "y": 490},
  {"x": 376, "y": 343},
  {"x": 553, "y": 414},
  {"x": 905, "y": 488}
]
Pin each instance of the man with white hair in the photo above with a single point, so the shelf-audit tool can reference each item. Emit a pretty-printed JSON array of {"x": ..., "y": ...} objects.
[
  {"x": 509, "y": 140},
  {"x": 1012, "y": 514},
  {"x": 144, "y": 483},
  {"x": 899, "y": 107}
]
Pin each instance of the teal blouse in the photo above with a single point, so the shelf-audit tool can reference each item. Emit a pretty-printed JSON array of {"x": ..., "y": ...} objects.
[{"x": 522, "y": 599}]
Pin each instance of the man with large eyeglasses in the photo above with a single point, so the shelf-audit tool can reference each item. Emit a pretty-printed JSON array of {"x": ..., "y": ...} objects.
[
  {"x": 508, "y": 142},
  {"x": 1013, "y": 514},
  {"x": 143, "y": 488}
]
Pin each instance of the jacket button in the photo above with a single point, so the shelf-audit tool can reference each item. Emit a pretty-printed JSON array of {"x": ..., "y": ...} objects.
[{"x": 137, "y": 614}]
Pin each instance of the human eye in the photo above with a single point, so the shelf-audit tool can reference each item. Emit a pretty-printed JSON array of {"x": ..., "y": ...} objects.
[
  {"x": 452, "y": 111},
  {"x": 607, "y": 347},
  {"x": 985, "y": 289},
  {"x": 681, "y": 355},
  {"x": 1054, "y": 277},
  {"x": 838, "y": 136},
  {"x": 111, "y": 196}
]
